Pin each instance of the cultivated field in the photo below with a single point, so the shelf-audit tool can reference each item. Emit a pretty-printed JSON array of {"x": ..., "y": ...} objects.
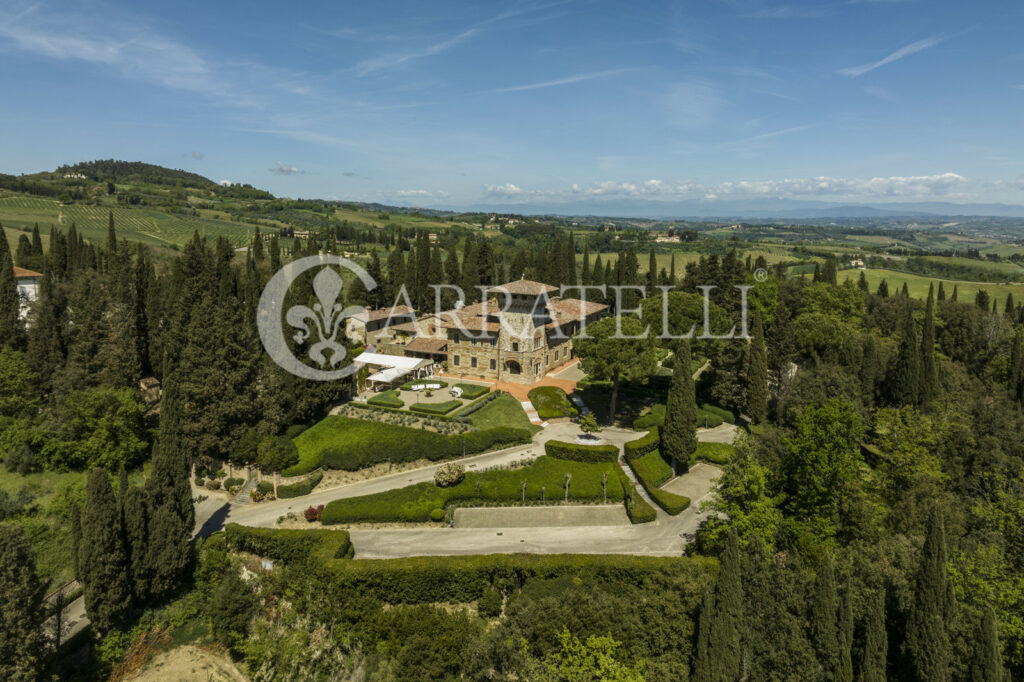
[{"x": 917, "y": 285}]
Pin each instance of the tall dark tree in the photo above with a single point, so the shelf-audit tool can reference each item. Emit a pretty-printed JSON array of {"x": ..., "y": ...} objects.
[
  {"x": 1015, "y": 380},
  {"x": 823, "y": 618},
  {"x": 862, "y": 282},
  {"x": 76, "y": 538},
  {"x": 926, "y": 649},
  {"x": 941, "y": 295},
  {"x": 651, "y": 278},
  {"x": 136, "y": 536},
  {"x": 883, "y": 289},
  {"x": 904, "y": 380},
  {"x": 844, "y": 667},
  {"x": 703, "y": 666},
  {"x": 829, "y": 273},
  {"x": 585, "y": 267},
  {"x": 103, "y": 562},
  {"x": 1009, "y": 309},
  {"x": 953, "y": 298},
  {"x": 22, "y": 640},
  {"x": 679, "y": 432},
  {"x": 10, "y": 306},
  {"x": 876, "y": 649},
  {"x": 757, "y": 375},
  {"x": 673, "y": 280},
  {"x": 929, "y": 379},
  {"x": 988, "y": 662},
  {"x": 275, "y": 254},
  {"x": 725, "y": 644},
  {"x": 982, "y": 300}
]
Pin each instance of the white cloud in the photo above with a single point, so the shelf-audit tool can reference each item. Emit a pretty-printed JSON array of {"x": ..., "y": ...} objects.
[
  {"x": 281, "y": 168},
  {"x": 421, "y": 194},
  {"x": 913, "y": 48},
  {"x": 692, "y": 104},
  {"x": 568, "y": 80},
  {"x": 947, "y": 185}
]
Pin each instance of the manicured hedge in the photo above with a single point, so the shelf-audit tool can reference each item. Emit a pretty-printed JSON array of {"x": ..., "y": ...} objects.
[
  {"x": 544, "y": 482},
  {"x": 407, "y": 386},
  {"x": 301, "y": 488},
  {"x": 577, "y": 452},
  {"x": 642, "y": 445},
  {"x": 232, "y": 482},
  {"x": 716, "y": 453},
  {"x": 707, "y": 419},
  {"x": 720, "y": 412},
  {"x": 551, "y": 402},
  {"x": 340, "y": 442},
  {"x": 435, "y": 408},
  {"x": 637, "y": 508},
  {"x": 458, "y": 579},
  {"x": 289, "y": 546},
  {"x": 386, "y": 399},
  {"x": 265, "y": 487},
  {"x": 473, "y": 391},
  {"x": 652, "y": 471}
]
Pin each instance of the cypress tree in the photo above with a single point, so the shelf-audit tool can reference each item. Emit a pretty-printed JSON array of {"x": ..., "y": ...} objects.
[
  {"x": 703, "y": 669},
  {"x": 955, "y": 293},
  {"x": 757, "y": 375},
  {"x": 905, "y": 377},
  {"x": 817, "y": 273},
  {"x": 844, "y": 667},
  {"x": 585, "y": 269},
  {"x": 673, "y": 281},
  {"x": 570, "y": 262},
  {"x": 981, "y": 299},
  {"x": 275, "y": 254},
  {"x": 876, "y": 648},
  {"x": 905, "y": 292},
  {"x": 929, "y": 380},
  {"x": 435, "y": 276},
  {"x": 170, "y": 500},
  {"x": 926, "y": 648},
  {"x": 76, "y": 537},
  {"x": 1016, "y": 377},
  {"x": 724, "y": 648},
  {"x": 23, "y": 254},
  {"x": 22, "y": 595},
  {"x": 824, "y": 627},
  {"x": 988, "y": 664},
  {"x": 103, "y": 563},
  {"x": 883, "y": 289},
  {"x": 829, "y": 272},
  {"x": 10, "y": 306},
  {"x": 869, "y": 370},
  {"x": 1010, "y": 308},
  {"x": 941, "y": 295},
  {"x": 257, "y": 246},
  {"x": 652, "y": 272},
  {"x": 136, "y": 534},
  {"x": 862, "y": 282},
  {"x": 679, "y": 432}
]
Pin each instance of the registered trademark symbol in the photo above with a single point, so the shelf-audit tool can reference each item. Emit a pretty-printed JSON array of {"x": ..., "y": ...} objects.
[{"x": 760, "y": 274}]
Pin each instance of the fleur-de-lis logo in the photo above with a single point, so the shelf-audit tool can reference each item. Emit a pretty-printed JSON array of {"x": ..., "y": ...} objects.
[
  {"x": 327, "y": 318},
  {"x": 322, "y": 324}
]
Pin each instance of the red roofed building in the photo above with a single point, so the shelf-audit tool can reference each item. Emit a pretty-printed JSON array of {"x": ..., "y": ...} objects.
[{"x": 28, "y": 287}]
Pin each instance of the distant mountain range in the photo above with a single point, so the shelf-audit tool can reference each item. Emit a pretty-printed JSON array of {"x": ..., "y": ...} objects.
[{"x": 759, "y": 209}]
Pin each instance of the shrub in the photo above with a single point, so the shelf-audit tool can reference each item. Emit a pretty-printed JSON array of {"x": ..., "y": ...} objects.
[
  {"x": 473, "y": 391},
  {"x": 313, "y": 513},
  {"x": 437, "y": 514},
  {"x": 654, "y": 418},
  {"x": 345, "y": 443},
  {"x": 716, "y": 453},
  {"x": 386, "y": 399},
  {"x": 264, "y": 487},
  {"x": 294, "y": 430},
  {"x": 576, "y": 452},
  {"x": 435, "y": 408},
  {"x": 707, "y": 419},
  {"x": 276, "y": 454},
  {"x": 301, "y": 488},
  {"x": 213, "y": 484},
  {"x": 233, "y": 482},
  {"x": 652, "y": 471},
  {"x": 288, "y": 545},
  {"x": 670, "y": 502},
  {"x": 642, "y": 445},
  {"x": 552, "y": 402},
  {"x": 637, "y": 508},
  {"x": 449, "y": 474},
  {"x": 489, "y": 604},
  {"x": 200, "y": 481}
]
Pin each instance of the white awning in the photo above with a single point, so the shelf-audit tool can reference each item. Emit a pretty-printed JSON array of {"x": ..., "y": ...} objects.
[
  {"x": 385, "y": 360},
  {"x": 388, "y": 375}
]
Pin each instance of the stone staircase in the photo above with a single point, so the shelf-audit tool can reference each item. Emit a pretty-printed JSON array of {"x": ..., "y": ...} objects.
[
  {"x": 531, "y": 412},
  {"x": 243, "y": 496}
]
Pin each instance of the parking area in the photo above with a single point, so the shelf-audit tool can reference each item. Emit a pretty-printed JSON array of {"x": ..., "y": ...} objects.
[{"x": 541, "y": 517}]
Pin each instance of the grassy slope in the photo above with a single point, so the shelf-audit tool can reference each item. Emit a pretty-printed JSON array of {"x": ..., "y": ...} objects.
[
  {"x": 552, "y": 402},
  {"x": 918, "y": 285},
  {"x": 544, "y": 481},
  {"x": 502, "y": 411}
]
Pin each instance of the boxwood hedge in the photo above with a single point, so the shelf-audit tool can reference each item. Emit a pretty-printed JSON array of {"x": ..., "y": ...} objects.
[
  {"x": 716, "y": 453},
  {"x": 301, "y": 488},
  {"x": 435, "y": 408},
  {"x": 720, "y": 412},
  {"x": 339, "y": 442},
  {"x": 472, "y": 391},
  {"x": 577, "y": 452},
  {"x": 652, "y": 471},
  {"x": 458, "y": 579},
  {"x": 386, "y": 399},
  {"x": 642, "y": 445}
]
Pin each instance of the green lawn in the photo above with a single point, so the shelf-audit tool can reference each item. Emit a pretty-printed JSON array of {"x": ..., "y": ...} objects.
[
  {"x": 552, "y": 402},
  {"x": 502, "y": 411},
  {"x": 387, "y": 399},
  {"x": 544, "y": 478},
  {"x": 917, "y": 285}
]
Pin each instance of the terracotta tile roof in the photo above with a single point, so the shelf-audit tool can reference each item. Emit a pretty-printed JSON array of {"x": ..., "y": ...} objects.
[
  {"x": 384, "y": 313},
  {"x": 574, "y": 308},
  {"x": 425, "y": 344},
  {"x": 524, "y": 286},
  {"x": 22, "y": 273}
]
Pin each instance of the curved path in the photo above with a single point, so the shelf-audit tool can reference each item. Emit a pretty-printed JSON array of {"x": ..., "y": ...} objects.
[{"x": 667, "y": 535}]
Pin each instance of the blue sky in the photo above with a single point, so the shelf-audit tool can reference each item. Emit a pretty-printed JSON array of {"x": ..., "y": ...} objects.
[{"x": 457, "y": 104}]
